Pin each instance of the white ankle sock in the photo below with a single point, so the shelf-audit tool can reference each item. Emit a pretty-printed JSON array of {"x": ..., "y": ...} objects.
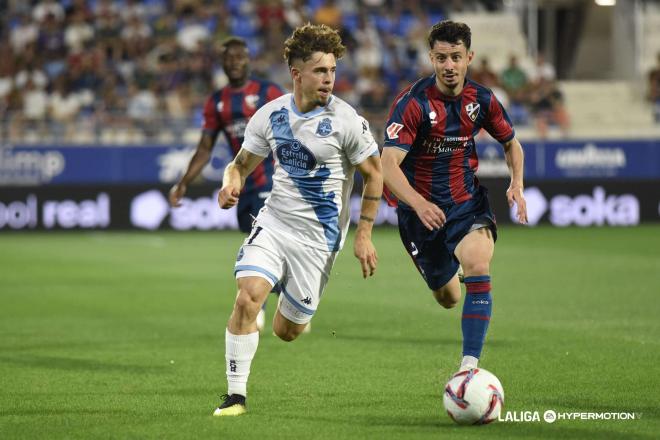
[
  {"x": 239, "y": 351},
  {"x": 469, "y": 361}
]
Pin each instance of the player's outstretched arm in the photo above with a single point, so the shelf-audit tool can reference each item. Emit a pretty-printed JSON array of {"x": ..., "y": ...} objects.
[
  {"x": 372, "y": 174},
  {"x": 197, "y": 162},
  {"x": 515, "y": 159},
  {"x": 429, "y": 213},
  {"x": 234, "y": 177}
]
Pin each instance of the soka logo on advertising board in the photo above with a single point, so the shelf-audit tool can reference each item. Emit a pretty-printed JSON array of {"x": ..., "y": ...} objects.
[
  {"x": 149, "y": 210},
  {"x": 67, "y": 214},
  {"x": 30, "y": 166},
  {"x": 583, "y": 209}
]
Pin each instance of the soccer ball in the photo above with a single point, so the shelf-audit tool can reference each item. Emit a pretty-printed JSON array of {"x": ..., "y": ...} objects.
[{"x": 473, "y": 397}]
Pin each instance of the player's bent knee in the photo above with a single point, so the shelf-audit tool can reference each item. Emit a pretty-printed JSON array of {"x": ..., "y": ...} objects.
[
  {"x": 247, "y": 302},
  {"x": 476, "y": 268}
]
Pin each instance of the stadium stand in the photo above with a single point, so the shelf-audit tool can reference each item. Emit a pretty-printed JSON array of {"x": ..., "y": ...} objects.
[{"x": 126, "y": 71}]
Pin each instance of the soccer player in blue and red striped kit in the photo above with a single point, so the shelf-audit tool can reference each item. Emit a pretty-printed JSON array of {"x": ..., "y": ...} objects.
[{"x": 429, "y": 164}]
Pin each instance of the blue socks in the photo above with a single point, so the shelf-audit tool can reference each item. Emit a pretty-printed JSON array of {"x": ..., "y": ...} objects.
[{"x": 476, "y": 314}]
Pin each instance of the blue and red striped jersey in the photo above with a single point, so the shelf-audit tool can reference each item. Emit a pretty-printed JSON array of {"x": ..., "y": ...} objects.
[
  {"x": 437, "y": 132},
  {"x": 229, "y": 110}
]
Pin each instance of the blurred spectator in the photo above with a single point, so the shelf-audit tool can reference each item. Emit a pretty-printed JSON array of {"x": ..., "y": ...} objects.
[
  {"x": 374, "y": 104},
  {"x": 484, "y": 74},
  {"x": 296, "y": 13},
  {"x": 64, "y": 108},
  {"x": 654, "y": 88},
  {"x": 543, "y": 70},
  {"x": 142, "y": 109},
  {"x": 329, "y": 14},
  {"x": 133, "y": 9},
  {"x": 78, "y": 32},
  {"x": 108, "y": 28},
  {"x": 270, "y": 11},
  {"x": 80, "y": 7},
  {"x": 51, "y": 46},
  {"x": 48, "y": 7},
  {"x": 135, "y": 36},
  {"x": 31, "y": 121},
  {"x": 192, "y": 31},
  {"x": 548, "y": 108},
  {"x": 24, "y": 33},
  {"x": 368, "y": 53},
  {"x": 179, "y": 107},
  {"x": 165, "y": 27},
  {"x": 31, "y": 73},
  {"x": 514, "y": 81}
]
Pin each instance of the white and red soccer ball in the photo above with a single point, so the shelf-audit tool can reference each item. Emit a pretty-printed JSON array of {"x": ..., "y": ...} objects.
[{"x": 473, "y": 397}]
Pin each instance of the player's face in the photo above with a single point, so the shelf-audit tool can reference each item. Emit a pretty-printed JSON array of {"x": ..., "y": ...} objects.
[
  {"x": 315, "y": 79},
  {"x": 235, "y": 63},
  {"x": 450, "y": 63}
]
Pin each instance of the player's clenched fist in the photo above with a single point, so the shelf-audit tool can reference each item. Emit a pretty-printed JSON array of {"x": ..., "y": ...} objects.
[{"x": 228, "y": 197}]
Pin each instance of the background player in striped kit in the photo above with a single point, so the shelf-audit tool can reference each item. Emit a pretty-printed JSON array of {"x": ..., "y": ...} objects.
[{"x": 429, "y": 161}]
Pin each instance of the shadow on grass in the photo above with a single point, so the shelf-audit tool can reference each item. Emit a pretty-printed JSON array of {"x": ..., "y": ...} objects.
[
  {"x": 64, "y": 412},
  {"x": 72, "y": 364},
  {"x": 387, "y": 337}
]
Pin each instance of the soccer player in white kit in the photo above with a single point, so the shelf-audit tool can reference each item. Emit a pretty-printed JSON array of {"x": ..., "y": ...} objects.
[{"x": 318, "y": 142}]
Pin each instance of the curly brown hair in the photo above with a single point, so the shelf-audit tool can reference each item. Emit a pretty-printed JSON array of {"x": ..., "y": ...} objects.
[{"x": 311, "y": 38}]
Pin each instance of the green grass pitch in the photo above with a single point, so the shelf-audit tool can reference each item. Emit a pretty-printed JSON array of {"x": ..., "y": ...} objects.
[{"x": 121, "y": 335}]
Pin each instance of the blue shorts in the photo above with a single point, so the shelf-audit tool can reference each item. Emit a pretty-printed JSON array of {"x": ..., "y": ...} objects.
[
  {"x": 433, "y": 251},
  {"x": 249, "y": 204}
]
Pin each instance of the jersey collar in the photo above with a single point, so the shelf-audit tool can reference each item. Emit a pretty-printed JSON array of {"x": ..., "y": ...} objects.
[{"x": 309, "y": 114}]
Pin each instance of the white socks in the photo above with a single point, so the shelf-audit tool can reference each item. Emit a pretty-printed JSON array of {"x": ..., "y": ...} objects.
[
  {"x": 469, "y": 362},
  {"x": 239, "y": 351}
]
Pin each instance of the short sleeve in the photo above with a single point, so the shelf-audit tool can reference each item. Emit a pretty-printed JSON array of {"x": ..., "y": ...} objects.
[
  {"x": 403, "y": 123},
  {"x": 274, "y": 91},
  {"x": 498, "y": 124},
  {"x": 360, "y": 142},
  {"x": 255, "y": 140},
  {"x": 211, "y": 123}
]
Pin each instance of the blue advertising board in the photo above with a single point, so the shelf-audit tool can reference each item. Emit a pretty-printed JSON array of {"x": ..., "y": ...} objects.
[
  {"x": 48, "y": 164},
  {"x": 65, "y": 165},
  {"x": 585, "y": 159}
]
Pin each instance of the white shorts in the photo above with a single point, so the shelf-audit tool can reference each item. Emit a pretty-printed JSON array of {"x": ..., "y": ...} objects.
[{"x": 302, "y": 271}]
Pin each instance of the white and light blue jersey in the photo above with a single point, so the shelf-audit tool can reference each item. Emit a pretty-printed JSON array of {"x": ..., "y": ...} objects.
[{"x": 315, "y": 156}]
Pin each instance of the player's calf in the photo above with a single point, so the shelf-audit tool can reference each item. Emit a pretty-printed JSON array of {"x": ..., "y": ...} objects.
[{"x": 476, "y": 316}]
